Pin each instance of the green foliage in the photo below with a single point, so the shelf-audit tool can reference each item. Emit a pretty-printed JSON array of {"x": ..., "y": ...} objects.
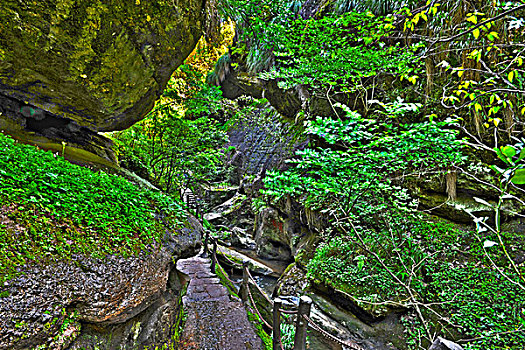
[
  {"x": 353, "y": 179},
  {"x": 514, "y": 158},
  {"x": 460, "y": 290},
  {"x": 340, "y": 51},
  {"x": 473, "y": 61},
  {"x": 188, "y": 90},
  {"x": 287, "y": 335},
  {"x": 378, "y": 7},
  {"x": 177, "y": 152},
  {"x": 356, "y": 177},
  {"x": 252, "y": 15},
  {"x": 179, "y": 144},
  {"x": 53, "y": 209},
  {"x": 377, "y": 247}
]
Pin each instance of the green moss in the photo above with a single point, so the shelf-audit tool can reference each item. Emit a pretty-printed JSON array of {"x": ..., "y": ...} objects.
[
  {"x": 52, "y": 209},
  {"x": 219, "y": 271},
  {"x": 178, "y": 327},
  {"x": 259, "y": 330},
  {"x": 95, "y": 59}
]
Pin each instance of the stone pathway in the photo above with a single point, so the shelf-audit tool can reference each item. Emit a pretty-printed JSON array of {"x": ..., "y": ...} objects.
[{"x": 213, "y": 321}]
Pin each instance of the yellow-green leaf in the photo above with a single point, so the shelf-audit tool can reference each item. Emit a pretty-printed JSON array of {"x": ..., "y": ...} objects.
[
  {"x": 511, "y": 76},
  {"x": 476, "y": 33},
  {"x": 519, "y": 177},
  {"x": 472, "y": 19},
  {"x": 478, "y": 107},
  {"x": 509, "y": 151}
]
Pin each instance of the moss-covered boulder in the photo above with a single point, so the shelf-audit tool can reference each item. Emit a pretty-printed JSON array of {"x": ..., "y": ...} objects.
[
  {"x": 87, "y": 259},
  {"x": 100, "y": 64}
]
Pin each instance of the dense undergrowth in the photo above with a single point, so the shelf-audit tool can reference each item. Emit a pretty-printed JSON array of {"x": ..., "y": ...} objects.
[
  {"x": 386, "y": 255},
  {"x": 52, "y": 209},
  {"x": 438, "y": 87},
  {"x": 459, "y": 289}
]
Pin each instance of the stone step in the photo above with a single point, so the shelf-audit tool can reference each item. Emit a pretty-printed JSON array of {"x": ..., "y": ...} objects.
[{"x": 213, "y": 320}]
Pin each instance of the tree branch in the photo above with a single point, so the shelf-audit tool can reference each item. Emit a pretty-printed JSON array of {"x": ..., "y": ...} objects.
[{"x": 501, "y": 15}]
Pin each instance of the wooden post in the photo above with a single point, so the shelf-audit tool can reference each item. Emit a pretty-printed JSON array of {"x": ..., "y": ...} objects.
[
  {"x": 277, "y": 303},
  {"x": 214, "y": 255},
  {"x": 245, "y": 284},
  {"x": 205, "y": 254},
  {"x": 305, "y": 304},
  {"x": 198, "y": 211}
]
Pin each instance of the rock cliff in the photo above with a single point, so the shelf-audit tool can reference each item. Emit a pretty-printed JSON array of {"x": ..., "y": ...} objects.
[
  {"x": 99, "y": 63},
  {"x": 71, "y": 68},
  {"x": 88, "y": 303}
]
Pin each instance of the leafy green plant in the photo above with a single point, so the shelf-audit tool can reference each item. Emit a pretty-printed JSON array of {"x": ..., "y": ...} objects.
[
  {"x": 179, "y": 145},
  {"x": 378, "y": 248},
  {"x": 370, "y": 153},
  {"x": 378, "y": 7},
  {"x": 52, "y": 209},
  {"x": 287, "y": 335},
  {"x": 452, "y": 281},
  {"x": 338, "y": 52}
]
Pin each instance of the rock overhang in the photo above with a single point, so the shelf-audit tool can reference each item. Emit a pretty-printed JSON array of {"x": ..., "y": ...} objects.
[{"x": 101, "y": 64}]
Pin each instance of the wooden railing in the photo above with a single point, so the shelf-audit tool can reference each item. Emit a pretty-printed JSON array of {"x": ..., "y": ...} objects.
[{"x": 302, "y": 312}]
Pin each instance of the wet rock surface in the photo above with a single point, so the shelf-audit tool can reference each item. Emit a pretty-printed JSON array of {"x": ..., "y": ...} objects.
[
  {"x": 119, "y": 302},
  {"x": 214, "y": 322},
  {"x": 228, "y": 256}
]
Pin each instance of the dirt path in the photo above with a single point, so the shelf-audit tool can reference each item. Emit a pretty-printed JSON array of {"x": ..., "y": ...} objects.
[{"x": 213, "y": 321}]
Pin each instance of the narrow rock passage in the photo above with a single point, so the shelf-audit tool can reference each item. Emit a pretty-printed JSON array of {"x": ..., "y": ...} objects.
[{"x": 213, "y": 321}]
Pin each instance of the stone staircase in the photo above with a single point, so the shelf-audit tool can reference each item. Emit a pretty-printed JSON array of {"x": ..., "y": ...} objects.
[{"x": 214, "y": 320}]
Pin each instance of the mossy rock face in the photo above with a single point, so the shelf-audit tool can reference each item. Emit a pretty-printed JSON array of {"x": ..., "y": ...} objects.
[
  {"x": 101, "y": 64},
  {"x": 114, "y": 302}
]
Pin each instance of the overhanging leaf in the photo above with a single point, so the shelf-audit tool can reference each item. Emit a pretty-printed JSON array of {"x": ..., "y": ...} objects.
[
  {"x": 509, "y": 151},
  {"x": 488, "y": 244},
  {"x": 482, "y": 201},
  {"x": 519, "y": 177}
]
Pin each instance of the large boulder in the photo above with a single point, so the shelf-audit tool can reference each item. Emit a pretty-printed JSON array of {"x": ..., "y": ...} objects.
[
  {"x": 107, "y": 303},
  {"x": 98, "y": 64},
  {"x": 273, "y": 241}
]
